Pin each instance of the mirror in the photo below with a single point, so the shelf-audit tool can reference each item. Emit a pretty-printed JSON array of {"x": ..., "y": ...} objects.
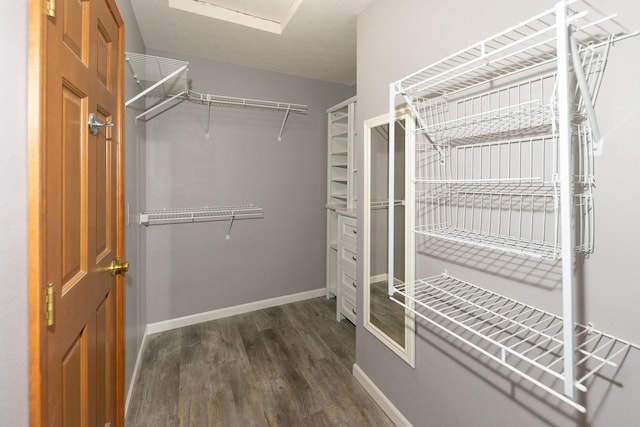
[{"x": 390, "y": 322}]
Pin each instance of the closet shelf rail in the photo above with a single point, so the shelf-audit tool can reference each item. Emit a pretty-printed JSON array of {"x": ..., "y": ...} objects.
[
  {"x": 522, "y": 338},
  {"x": 167, "y": 81},
  {"x": 205, "y": 214}
]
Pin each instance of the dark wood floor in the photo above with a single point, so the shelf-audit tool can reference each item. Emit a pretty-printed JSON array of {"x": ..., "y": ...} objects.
[{"x": 283, "y": 366}]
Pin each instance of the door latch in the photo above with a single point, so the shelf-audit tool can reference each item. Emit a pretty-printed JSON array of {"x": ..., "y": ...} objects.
[{"x": 94, "y": 124}]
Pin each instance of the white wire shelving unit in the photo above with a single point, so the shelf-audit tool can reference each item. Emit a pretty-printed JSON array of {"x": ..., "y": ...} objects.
[
  {"x": 205, "y": 214},
  {"x": 505, "y": 141},
  {"x": 166, "y": 80}
]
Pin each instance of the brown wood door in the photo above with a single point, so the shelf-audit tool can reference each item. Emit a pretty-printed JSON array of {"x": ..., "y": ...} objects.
[{"x": 80, "y": 225}]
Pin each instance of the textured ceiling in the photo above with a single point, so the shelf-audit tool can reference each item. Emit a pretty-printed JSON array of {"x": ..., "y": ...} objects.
[{"x": 318, "y": 38}]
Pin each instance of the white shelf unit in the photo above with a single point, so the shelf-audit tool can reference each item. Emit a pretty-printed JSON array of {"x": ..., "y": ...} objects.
[
  {"x": 506, "y": 138},
  {"x": 205, "y": 214},
  {"x": 341, "y": 186},
  {"x": 340, "y": 155},
  {"x": 166, "y": 80}
]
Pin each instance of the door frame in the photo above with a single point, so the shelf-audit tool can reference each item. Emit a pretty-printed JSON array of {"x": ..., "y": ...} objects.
[{"x": 36, "y": 103}]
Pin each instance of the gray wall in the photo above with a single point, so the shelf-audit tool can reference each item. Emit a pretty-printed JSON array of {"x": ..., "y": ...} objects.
[
  {"x": 192, "y": 268},
  {"x": 135, "y": 311},
  {"x": 450, "y": 387},
  {"x": 14, "y": 377}
]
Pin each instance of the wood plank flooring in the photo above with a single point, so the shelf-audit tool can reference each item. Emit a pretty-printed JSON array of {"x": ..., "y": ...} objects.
[{"x": 283, "y": 366}]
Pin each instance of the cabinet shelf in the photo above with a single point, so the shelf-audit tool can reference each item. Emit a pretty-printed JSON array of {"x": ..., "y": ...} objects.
[
  {"x": 522, "y": 338},
  {"x": 339, "y": 117}
]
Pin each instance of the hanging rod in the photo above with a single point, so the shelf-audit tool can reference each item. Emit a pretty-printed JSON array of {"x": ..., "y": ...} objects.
[
  {"x": 205, "y": 214},
  {"x": 166, "y": 79}
]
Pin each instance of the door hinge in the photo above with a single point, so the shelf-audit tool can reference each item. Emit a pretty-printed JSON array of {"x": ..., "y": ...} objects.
[
  {"x": 50, "y": 305},
  {"x": 51, "y": 8}
]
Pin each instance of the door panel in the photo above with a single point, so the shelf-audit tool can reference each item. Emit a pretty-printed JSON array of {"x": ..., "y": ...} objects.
[
  {"x": 103, "y": 189},
  {"x": 104, "y": 50},
  {"x": 73, "y": 195},
  {"x": 105, "y": 361},
  {"x": 75, "y": 383},
  {"x": 83, "y": 231},
  {"x": 75, "y": 16}
]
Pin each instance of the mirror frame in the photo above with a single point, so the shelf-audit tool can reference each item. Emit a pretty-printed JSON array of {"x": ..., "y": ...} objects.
[{"x": 406, "y": 352}]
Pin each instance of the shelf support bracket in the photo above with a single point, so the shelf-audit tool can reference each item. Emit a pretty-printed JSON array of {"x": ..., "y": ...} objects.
[
  {"x": 155, "y": 85},
  {"x": 284, "y": 122},
  {"x": 233, "y": 217},
  {"x": 206, "y": 134},
  {"x": 423, "y": 126},
  {"x": 586, "y": 97}
]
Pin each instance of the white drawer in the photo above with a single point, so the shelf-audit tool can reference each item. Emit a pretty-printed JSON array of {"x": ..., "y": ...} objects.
[
  {"x": 347, "y": 256},
  {"x": 348, "y": 283},
  {"x": 348, "y": 308},
  {"x": 347, "y": 229}
]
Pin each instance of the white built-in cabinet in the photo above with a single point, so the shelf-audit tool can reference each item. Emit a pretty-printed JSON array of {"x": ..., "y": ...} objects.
[{"x": 341, "y": 205}]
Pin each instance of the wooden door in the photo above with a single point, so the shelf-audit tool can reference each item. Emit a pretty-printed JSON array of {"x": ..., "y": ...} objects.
[{"x": 79, "y": 226}]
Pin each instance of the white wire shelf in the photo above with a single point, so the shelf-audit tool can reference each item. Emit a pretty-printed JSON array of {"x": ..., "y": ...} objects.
[
  {"x": 522, "y": 47},
  {"x": 522, "y": 338},
  {"x": 156, "y": 76},
  {"x": 246, "y": 103},
  {"x": 514, "y": 110},
  {"x": 166, "y": 80},
  {"x": 504, "y": 195},
  {"x": 519, "y": 224},
  {"x": 205, "y": 214}
]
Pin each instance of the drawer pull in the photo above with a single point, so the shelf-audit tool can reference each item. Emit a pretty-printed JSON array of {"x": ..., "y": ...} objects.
[
  {"x": 354, "y": 284},
  {"x": 353, "y": 258},
  {"x": 354, "y": 231},
  {"x": 353, "y": 310}
]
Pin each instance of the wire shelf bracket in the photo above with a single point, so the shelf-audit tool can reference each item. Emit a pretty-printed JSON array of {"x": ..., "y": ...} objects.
[
  {"x": 205, "y": 214},
  {"x": 166, "y": 80}
]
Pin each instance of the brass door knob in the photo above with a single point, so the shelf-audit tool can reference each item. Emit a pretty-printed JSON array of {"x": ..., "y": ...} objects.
[{"x": 118, "y": 266}]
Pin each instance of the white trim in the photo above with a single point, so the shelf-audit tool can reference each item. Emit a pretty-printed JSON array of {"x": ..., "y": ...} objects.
[
  {"x": 239, "y": 17},
  {"x": 134, "y": 375},
  {"x": 382, "y": 400},
  {"x": 167, "y": 325},
  {"x": 406, "y": 352}
]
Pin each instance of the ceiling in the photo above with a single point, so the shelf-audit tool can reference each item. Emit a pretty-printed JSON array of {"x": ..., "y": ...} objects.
[{"x": 308, "y": 38}]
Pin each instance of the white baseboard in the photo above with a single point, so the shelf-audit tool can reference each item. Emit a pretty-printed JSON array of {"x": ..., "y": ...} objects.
[
  {"x": 193, "y": 319},
  {"x": 134, "y": 375},
  {"x": 382, "y": 400}
]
